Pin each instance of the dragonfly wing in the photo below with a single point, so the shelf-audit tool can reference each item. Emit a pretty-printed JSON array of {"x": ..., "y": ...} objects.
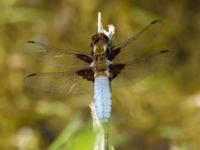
[
  {"x": 56, "y": 56},
  {"x": 59, "y": 82},
  {"x": 134, "y": 71},
  {"x": 140, "y": 44},
  {"x": 137, "y": 35}
]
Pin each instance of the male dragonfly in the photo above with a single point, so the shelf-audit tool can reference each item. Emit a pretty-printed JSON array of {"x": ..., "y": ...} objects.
[{"x": 106, "y": 65}]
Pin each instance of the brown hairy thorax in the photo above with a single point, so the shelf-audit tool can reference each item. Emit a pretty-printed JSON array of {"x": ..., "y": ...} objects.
[{"x": 99, "y": 57}]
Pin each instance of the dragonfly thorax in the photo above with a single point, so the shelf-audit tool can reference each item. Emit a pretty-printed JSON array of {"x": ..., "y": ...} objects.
[{"x": 99, "y": 48}]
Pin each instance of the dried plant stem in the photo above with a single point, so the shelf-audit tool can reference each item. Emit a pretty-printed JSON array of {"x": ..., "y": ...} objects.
[{"x": 100, "y": 143}]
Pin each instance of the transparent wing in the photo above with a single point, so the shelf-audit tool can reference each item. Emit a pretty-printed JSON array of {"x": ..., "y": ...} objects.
[
  {"x": 59, "y": 82},
  {"x": 55, "y": 56},
  {"x": 137, "y": 70},
  {"x": 137, "y": 35},
  {"x": 143, "y": 43}
]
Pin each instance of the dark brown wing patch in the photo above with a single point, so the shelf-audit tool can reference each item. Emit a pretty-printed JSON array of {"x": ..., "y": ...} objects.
[
  {"x": 86, "y": 74},
  {"x": 86, "y": 58},
  {"x": 115, "y": 69},
  {"x": 113, "y": 53}
]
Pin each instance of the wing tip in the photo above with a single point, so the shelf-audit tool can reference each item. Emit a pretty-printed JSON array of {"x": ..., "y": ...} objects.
[
  {"x": 30, "y": 41},
  {"x": 31, "y": 75},
  {"x": 168, "y": 51},
  {"x": 165, "y": 51},
  {"x": 155, "y": 21}
]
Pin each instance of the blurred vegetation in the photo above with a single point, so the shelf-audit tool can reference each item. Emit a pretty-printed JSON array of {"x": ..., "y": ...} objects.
[{"x": 160, "y": 113}]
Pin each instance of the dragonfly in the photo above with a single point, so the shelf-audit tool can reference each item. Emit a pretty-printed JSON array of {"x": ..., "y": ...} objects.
[{"x": 104, "y": 66}]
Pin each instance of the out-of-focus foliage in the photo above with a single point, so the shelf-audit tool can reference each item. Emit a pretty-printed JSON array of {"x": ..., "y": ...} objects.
[
  {"x": 84, "y": 139},
  {"x": 160, "y": 113}
]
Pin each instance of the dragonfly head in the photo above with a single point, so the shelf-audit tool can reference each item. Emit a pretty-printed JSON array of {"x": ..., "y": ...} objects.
[{"x": 99, "y": 43}]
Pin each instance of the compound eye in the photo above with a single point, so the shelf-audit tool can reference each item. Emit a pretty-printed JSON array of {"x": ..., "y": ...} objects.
[
  {"x": 95, "y": 39},
  {"x": 104, "y": 38}
]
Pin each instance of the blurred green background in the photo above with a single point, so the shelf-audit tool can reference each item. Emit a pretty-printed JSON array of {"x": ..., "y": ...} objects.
[{"x": 159, "y": 113}]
